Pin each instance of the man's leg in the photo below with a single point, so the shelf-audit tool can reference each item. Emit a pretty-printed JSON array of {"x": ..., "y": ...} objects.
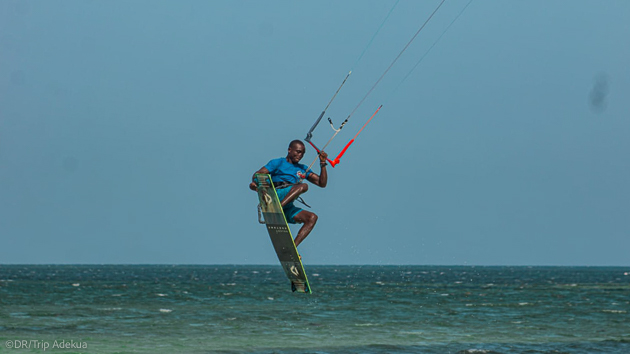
[
  {"x": 308, "y": 219},
  {"x": 295, "y": 192}
]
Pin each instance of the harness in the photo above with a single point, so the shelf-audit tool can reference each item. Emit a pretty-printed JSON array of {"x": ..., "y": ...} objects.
[{"x": 283, "y": 184}]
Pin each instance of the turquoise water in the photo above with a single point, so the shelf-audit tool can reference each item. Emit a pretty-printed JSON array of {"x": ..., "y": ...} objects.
[{"x": 354, "y": 309}]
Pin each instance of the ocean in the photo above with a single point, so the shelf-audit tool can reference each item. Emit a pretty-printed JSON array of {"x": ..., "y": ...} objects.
[{"x": 353, "y": 309}]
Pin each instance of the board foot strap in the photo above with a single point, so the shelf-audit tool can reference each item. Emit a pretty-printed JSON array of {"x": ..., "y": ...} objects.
[{"x": 300, "y": 287}]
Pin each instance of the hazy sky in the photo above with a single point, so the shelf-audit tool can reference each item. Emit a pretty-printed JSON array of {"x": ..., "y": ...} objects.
[{"x": 129, "y": 130}]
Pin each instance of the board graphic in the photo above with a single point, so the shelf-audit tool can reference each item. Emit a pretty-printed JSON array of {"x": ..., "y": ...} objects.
[{"x": 280, "y": 234}]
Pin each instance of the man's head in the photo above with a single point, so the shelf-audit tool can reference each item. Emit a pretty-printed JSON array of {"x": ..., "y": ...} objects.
[{"x": 296, "y": 151}]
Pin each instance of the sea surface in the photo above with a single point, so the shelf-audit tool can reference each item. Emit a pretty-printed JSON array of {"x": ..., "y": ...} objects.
[{"x": 354, "y": 309}]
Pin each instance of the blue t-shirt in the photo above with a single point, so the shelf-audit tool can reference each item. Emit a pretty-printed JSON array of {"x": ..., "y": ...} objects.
[{"x": 282, "y": 170}]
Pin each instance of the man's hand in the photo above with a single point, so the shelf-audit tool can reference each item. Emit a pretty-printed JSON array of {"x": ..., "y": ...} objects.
[
  {"x": 323, "y": 156},
  {"x": 252, "y": 186}
]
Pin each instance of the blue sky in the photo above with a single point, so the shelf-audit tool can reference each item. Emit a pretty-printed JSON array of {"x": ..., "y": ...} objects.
[{"x": 129, "y": 130}]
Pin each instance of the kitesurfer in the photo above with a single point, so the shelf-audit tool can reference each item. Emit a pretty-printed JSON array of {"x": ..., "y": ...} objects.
[{"x": 287, "y": 175}]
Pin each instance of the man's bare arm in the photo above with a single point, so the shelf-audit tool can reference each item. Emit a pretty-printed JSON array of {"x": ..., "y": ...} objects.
[{"x": 322, "y": 179}]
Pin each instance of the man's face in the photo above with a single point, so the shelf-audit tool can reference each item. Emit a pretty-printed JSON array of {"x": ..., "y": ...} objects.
[{"x": 296, "y": 152}]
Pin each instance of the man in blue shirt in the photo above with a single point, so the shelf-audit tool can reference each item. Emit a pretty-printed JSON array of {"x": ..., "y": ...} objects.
[{"x": 287, "y": 175}]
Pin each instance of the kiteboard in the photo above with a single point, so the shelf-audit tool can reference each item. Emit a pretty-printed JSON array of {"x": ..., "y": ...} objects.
[{"x": 280, "y": 234}]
